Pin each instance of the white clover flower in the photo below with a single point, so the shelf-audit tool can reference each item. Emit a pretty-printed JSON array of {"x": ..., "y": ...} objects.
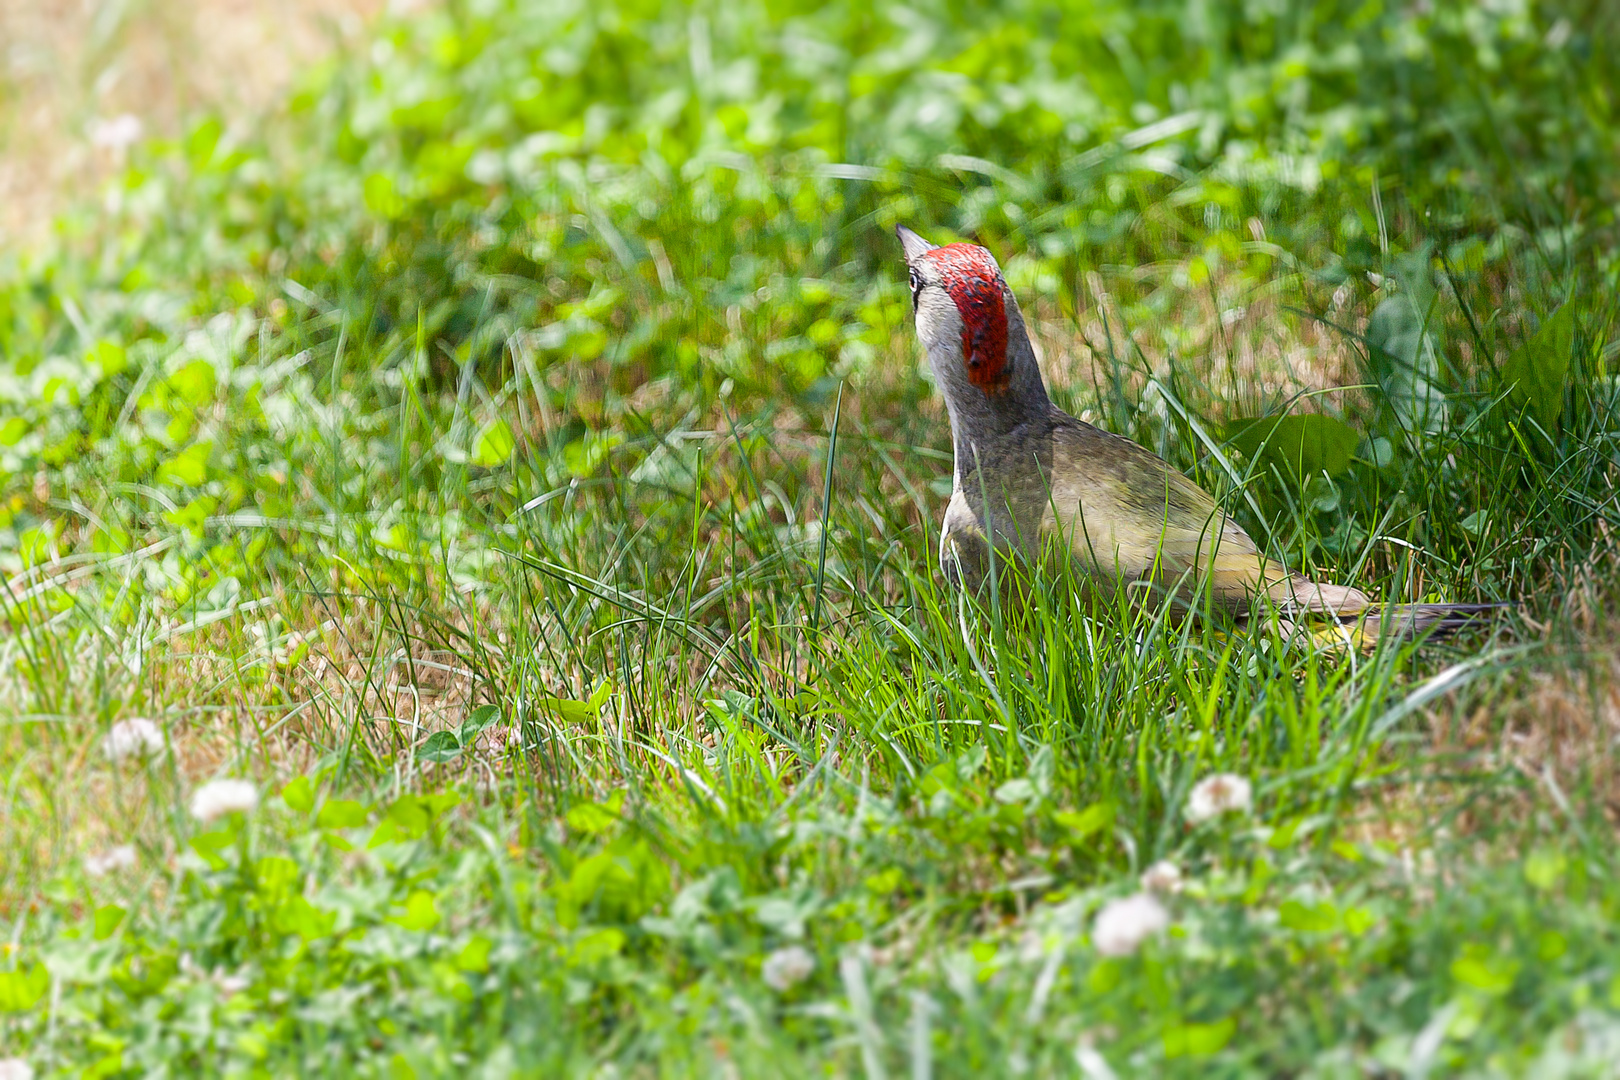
[
  {"x": 1218, "y": 794},
  {"x": 785, "y": 968},
  {"x": 217, "y": 798},
  {"x": 15, "y": 1069},
  {"x": 1122, "y": 925},
  {"x": 135, "y": 738},
  {"x": 121, "y": 857},
  {"x": 1163, "y": 877},
  {"x": 231, "y": 985},
  {"x": 119, "y": 133}
]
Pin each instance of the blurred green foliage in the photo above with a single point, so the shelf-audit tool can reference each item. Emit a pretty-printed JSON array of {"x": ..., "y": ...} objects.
[
  {"x": 704, "y": 194},
  {"x": 614, "y": 178}
]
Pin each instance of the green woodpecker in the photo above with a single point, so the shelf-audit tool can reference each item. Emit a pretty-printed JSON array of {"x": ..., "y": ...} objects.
[{"x": 1031, "y": 480}]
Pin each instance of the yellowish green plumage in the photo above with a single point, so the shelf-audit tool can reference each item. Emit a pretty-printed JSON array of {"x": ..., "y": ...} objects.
[{"x": 1033, "y": 483}]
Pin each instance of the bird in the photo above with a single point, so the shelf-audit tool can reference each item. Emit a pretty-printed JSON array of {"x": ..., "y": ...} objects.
[{"x": 1030, "y": 481}]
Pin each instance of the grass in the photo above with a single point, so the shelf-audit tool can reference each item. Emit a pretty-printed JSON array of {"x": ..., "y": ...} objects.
[
  {"x": 71, "y": 69},
  {"x": 514, "y": 460}
]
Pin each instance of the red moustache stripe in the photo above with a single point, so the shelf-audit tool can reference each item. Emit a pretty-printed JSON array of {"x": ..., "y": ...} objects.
[{"x": 970, "y": 277}]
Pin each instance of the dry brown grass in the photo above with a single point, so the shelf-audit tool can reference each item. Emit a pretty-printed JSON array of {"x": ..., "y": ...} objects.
[
  {"x": 68, "y": 66},
  {"x": 1249, "y": 351}
]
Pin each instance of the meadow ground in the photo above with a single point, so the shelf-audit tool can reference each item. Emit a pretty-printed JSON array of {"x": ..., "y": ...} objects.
[{"x": 508, "y": 458}]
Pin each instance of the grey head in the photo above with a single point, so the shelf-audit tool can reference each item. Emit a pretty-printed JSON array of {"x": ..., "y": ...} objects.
[{"x": 969, "y": 323}]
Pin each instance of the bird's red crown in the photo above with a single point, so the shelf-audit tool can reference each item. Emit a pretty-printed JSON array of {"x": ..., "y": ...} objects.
[{"x": 971, "y": 278}]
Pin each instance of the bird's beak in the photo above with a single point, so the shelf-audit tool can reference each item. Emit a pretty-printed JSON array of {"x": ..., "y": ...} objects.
[{"x": 916, "y": 247}]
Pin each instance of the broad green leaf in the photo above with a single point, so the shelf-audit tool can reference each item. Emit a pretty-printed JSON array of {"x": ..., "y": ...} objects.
[
  {"x": 574, "y": 712},
  {"x": 566, "y": 709},
  {"x": 255, "y": 1043},
  {"x": 1358, "y": 920},
  {"x": 590, "y": 873},
  {"x": 1484, "y": 971},
  {"x": 1020, "y": 790},
  {"x": 1302, "y": 446},
  {"x": 299, "y": 795},
  {"x": 193, "y": 515},
  {"x": 22, "y": 990},
  {"x": 494, "y": 444},
  {"x": 202, "y": 140},
  {"x": 421, "y": 912},
  {"x": 482, "y": 717},
  {"x": 1404, "y": 362},
  {"x": 597, "y": 946},
  {"x": 212, "y": 846},
  {"x": 276, "y": 875},
  {"x": 586, "y": 454},
  {"x": 109, "y": 1066},
  {"x": 410, "y": 817},
  {"x": 189, "y": 467},
  {"x": 885, "y": 882},
  {"x": 299, "y": 916},
  {"x": 474, "y": 956},
  {"x": 435, "y": 805},
  {"x": 942, "y": 777},
  {"x": 341, "y": 814},
  {"x": 1198, "y": 1040},
  {"x": 785, "y": 913},
  {"x": 1322, "y": 494},
  {"x": 1310, "y": 918},
  {"x": 1082, "y": 823},
  {"x": 621, "y": 882},
  {"x": 1284, "y": 834},
  {"x": 1545, "y": 868},
  {"x": 593, "y": 818},
  {"x": 441, "y": 746},
  {"x": 1536, "y": 373},
  {"x": 382, "y": 197},
  {"x": 108, "y": 356},
  {"x": 108, "y": 916},
  {"x": 1261, "y": 874},
  {"x": 195, "y": 383},
  {"x": 1105, "y": 975}
]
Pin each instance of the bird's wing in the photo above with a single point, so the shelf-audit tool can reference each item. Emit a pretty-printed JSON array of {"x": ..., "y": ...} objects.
[{"x": 1125, "y": 514}]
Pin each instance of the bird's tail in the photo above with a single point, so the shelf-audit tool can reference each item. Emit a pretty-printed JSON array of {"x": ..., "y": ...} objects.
[
  {"x": 1364, "y": 623},
  {"x": 1406, "y": 622}
]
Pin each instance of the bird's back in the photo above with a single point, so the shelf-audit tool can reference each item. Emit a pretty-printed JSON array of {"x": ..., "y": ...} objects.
[
  {"x": 1126, "y": 515},
  {"x": 1121, "y": 513}
]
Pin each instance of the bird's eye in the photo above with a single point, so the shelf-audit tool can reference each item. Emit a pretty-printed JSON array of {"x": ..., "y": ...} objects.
[{"x": 916, "y": 287}]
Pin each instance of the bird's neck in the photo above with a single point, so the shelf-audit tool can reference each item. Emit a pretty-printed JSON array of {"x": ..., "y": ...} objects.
[{"x": 983, "y": 422}]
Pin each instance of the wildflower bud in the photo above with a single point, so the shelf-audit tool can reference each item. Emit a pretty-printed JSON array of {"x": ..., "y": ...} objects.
[
  {"x": 121, "y": 857},
  {"x": 1217, "y": 795},
  {"x": 1122, "y": 925},
  {"x": 1163, "y": 877},
  {"x": 119, "y": 133},
  {"x": 786, "y": 968},
  {"x": 135, "y": 738},
  {"x": 217, "y": 798}
]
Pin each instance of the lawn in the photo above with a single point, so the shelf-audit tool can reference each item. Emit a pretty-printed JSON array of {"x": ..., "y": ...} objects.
[{"x": 470, "y": 546}]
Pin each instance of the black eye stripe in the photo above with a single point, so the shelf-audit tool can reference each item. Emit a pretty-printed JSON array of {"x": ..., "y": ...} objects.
[{"x": 916, "y": 288}]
